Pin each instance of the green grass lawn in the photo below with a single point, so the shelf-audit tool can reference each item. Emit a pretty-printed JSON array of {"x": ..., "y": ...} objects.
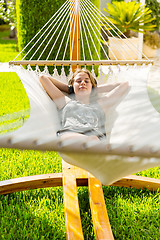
[
  {"x": 8, "y": 47},
  {"x": 39, "y": 214}
]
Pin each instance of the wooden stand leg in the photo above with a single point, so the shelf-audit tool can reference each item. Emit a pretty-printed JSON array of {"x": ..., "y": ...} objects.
[
  {"x": 100, "y": 218},
  {"x": 72, "y": 213}
]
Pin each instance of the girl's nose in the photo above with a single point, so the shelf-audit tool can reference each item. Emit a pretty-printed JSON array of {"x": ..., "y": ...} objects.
[{"x": 83, "y": 82}]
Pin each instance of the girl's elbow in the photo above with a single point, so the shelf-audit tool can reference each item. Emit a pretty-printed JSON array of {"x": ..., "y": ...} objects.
[
  {"x": 41, "y": 77},
  {"x": 125, "y": 85}
]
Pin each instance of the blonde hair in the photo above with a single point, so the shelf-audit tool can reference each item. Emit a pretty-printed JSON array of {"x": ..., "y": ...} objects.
[{"x": 93, "y": 81}]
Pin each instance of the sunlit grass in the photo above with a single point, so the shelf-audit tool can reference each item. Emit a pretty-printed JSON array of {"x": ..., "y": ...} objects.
[
  {"x": 36, "y": 214},
  {"x": 13, "y": 97},
  {"x": 17, "y": 163},
  {"x": 134, "y": 214},
  {"x": 8, "y": 47}
]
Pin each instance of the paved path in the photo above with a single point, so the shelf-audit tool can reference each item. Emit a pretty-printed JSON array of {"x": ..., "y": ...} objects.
[{"x": 4, "y": 67}]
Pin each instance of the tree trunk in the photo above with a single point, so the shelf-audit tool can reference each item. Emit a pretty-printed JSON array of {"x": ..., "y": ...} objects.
[{"x": 12, "y": 33}]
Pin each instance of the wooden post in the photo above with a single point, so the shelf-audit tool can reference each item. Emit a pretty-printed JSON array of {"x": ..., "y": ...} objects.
[{"x": 75, "y": 31}]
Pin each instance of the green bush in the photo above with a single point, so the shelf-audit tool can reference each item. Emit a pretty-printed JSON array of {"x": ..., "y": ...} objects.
[
  {"x": 1, "y": 22},
  {"x": 117, "y": 1},
  {"x": 31, "y": 17},
  {"x": 154, "y": 5},
  {"x": 152, "y": 39}
]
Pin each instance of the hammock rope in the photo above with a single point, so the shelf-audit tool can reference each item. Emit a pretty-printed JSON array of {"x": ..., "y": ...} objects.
[
  {"x": 53, "y": 17},
  {"x": 92, "y": 26}
]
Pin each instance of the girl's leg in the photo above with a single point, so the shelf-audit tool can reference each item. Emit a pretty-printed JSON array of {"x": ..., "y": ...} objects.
[{"x": 77, "y": 138}]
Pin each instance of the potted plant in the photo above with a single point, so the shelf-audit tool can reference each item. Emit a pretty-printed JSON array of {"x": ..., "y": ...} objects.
[{"x": 127, "y": 18}]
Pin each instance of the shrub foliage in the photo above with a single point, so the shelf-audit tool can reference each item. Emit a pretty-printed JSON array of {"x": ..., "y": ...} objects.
[{"x": 31, "y": 17}]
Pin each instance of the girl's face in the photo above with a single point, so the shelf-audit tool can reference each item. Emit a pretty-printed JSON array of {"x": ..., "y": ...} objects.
[{"x": 82, "y": 84}]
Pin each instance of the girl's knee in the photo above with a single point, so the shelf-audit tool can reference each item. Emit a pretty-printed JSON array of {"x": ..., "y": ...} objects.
[{"x": 93, "y": 138}]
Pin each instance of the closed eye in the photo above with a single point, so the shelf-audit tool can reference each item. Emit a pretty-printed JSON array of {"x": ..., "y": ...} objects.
[
  {"x": 79, "y": 80},
  {"x": 87, "y": 81}
]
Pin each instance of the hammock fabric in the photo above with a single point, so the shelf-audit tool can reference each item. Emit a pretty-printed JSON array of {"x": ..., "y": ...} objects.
[
  {"x": 135, "y": 124},
  {"x": 132, "y": 129}
]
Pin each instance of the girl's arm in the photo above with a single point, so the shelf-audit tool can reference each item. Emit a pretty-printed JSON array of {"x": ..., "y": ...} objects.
[
  {"x": 54, "y": 90},
  {"x": 107, "y": 87},
  {"x": 60, "y": 85},
  {"x": 114, "y": 96}
]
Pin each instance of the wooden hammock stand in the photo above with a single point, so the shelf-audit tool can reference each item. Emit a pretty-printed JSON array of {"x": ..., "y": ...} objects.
[{"x": 72, "y": 176}]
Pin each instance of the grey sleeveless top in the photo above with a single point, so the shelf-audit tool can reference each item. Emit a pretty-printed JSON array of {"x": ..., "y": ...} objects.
[{"x": 88, "y": 119}]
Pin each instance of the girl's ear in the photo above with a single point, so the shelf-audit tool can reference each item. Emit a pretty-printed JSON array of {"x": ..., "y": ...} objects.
[{"x": 95, "y": 82}]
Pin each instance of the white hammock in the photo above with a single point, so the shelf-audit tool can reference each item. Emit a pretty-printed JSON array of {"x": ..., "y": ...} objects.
[
  {"x": 136, "y": 124},
  {"x": 134, "y": 133}
]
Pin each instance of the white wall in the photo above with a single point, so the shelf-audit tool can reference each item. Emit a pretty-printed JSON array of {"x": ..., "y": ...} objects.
[{"x": 103, "y": 4}]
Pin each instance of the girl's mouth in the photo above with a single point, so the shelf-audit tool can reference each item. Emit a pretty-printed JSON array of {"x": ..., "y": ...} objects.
[{"x": 82, "y": 88}]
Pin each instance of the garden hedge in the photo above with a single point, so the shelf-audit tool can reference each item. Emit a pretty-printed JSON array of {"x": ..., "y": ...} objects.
[
  {"x": 31, "y": 17},
  {"x": 154, "y": 5}
]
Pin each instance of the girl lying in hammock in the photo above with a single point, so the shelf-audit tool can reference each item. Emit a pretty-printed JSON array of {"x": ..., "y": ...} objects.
[{"x": 83, "y": 116}]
